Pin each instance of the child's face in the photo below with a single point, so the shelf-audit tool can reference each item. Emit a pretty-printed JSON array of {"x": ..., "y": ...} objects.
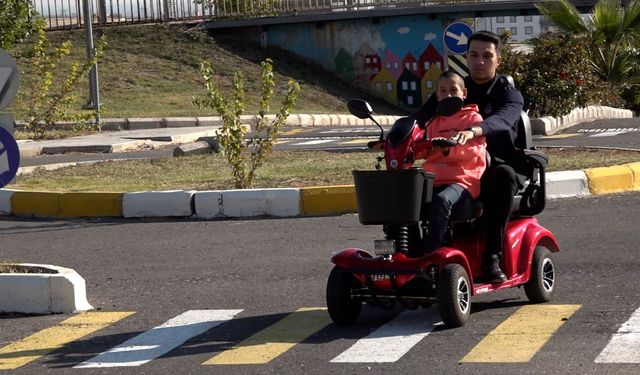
[{"x": 450, "y": 87}]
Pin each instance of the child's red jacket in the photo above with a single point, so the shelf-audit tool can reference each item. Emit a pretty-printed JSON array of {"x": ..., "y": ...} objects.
[{"x": 464, "y": 164}]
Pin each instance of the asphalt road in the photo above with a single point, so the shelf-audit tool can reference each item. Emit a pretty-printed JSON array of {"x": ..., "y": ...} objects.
[{"x": 270, "y": 268}]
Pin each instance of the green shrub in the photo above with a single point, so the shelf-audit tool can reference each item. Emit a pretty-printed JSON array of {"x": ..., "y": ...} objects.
[{"x": 557, "y": 76}]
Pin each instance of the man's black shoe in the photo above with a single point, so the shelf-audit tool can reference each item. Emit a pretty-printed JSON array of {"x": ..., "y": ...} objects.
[{"x": 492, "y": 272}]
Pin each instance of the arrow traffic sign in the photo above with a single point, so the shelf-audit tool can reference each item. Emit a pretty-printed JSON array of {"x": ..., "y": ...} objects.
[
  {"x": 9, "y": 157},
  {"x": 455, "y": 37}
]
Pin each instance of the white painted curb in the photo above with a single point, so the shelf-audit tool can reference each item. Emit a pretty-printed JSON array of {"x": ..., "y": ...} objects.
[
  {"x": 158, "y": 203},
  {"x": 261, "y": 202},
  {"x": 247, "y": 203},
  {"x": 5, "y": 201},
  {"x": 63, "y": 291},
  {"x": 208, "y": 204},
  {"x": 566, "y": 184}
]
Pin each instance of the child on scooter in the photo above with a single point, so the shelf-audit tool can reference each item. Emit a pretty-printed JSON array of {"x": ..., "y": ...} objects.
[{"x": 457, "y": 168}]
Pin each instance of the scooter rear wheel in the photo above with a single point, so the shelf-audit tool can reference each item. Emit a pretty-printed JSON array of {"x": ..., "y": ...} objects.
[
  {"x": 343, "y": 308},
  {"x": 542, "y": 282},
  {"x": 454, "y": 295}
]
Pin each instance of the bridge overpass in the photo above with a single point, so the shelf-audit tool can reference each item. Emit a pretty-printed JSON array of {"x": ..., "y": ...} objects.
[{"x": 371, "y": 9}]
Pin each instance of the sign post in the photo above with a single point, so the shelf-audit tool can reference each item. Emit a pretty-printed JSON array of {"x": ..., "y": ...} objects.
[
  {"x": 455, "y": 38},
  {"x": 9, "y": 151}
]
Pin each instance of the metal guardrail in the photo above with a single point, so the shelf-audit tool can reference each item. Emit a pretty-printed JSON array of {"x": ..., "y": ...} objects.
[{"x": 67, "y": 14}]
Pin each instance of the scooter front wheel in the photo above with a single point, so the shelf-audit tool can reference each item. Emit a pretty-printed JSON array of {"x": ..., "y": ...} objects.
[
  {"x": 454, "y": 295},
  {"x": 542, "y": 283},
  {"x": 343, "y": 308}
]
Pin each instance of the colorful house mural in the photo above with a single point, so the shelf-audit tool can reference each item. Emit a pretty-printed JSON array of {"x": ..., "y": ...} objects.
[
  {"x": 363, "y": 71},
  {"x": 411, "y": 64},
  {"x": 344, "y": 65},
  {"x": 429, "y": 81},
  {"x": 430, "y": 57},
  {"x": 374, "y": 49},
  {"x": 384, "y": 86},
  {"x": 409, "y": 92},
  {"x": 392, "y": 63}
]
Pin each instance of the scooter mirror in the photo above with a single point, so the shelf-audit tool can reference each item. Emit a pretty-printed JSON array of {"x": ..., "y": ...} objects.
[{"x": 359, "y": 108}]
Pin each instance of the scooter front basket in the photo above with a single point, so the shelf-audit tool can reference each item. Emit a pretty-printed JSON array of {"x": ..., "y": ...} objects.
[{"x": 392, "y": 197}]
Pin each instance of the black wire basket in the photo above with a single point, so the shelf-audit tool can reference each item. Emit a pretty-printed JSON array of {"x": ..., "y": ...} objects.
[{"x": 392, "y": 197}]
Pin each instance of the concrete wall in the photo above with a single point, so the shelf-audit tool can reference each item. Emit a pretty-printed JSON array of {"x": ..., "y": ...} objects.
[{"x": 395, "y": 58}]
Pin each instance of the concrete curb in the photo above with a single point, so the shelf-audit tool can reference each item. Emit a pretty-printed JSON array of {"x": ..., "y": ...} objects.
[
  {"x": 288, "y": 202},
  {"x": 550, "y": 125},
  {"x": 60, "y": 290},
  {"x": 542, "y": 126}
]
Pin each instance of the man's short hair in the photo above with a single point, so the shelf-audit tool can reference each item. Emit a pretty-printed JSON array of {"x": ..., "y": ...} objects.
[
  {"x": 454, "y": 76},
  {"x": 486, "y": 36}
]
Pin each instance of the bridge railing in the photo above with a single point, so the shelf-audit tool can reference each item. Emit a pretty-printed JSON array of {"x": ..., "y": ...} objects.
[{"x": 67, "y": 14}]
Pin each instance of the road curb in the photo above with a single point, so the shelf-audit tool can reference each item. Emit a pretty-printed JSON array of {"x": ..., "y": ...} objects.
[
  {"x": 58, "y": 290},
  {"x": 550, "y": 125},
  {"x": 285, "y": 202}
]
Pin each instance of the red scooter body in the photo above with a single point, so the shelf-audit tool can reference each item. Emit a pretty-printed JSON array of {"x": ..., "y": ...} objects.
[{"x": 448, "y": 276}]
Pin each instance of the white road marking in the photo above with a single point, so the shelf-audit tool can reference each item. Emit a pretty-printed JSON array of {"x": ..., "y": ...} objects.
[
  {"x": 161, "y": 339},
  {"x": 624, "y": 346},
  {"x": 606, "y": 134},
  {"x": 393, "y": 340},
  {"x": 316, "y": 142}
]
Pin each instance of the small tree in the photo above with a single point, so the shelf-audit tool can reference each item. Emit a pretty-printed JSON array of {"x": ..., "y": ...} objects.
[
  {"x": 49, "y": 93},
  {"x": 245, "y": 158}
]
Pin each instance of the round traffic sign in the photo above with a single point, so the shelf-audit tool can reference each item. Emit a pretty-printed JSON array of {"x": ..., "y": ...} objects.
[
  {"x": 455, "y": 37},
  {"x": 9, "y": 157},
  {"x": 9, "y": 78}
]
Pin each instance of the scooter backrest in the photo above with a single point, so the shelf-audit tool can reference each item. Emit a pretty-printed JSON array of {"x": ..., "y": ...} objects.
[{"x": 524, "y": 140}]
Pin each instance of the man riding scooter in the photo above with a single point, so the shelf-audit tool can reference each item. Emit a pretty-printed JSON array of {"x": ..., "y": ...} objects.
[{"x": 500, "y": 105}]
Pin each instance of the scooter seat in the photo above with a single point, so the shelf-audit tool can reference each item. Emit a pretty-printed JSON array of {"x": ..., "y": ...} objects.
[{"x": 466, "y": 210}]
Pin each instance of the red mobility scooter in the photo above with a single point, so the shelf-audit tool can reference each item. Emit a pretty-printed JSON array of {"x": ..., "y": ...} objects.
[{"x": 451, "y": 275}]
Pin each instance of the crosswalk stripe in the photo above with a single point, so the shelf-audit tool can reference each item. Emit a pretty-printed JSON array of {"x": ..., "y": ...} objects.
[
  {"x": 47, "y": 340},
  {"x": 393, "y": 340},
  {"x": 624, "y": 346},
  {"x": 606, "y": 134},
  {"x": 519, "y": 338},
  {"x": 275, "y": 340},
  {"x": 161, "y": 339}
]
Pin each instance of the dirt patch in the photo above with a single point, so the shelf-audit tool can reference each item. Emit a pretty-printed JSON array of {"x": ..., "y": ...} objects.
[{"x": 17, "y": 268}]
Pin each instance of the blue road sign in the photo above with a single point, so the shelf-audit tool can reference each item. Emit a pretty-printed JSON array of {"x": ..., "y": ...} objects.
[
  {"x": 455, "y": 37},
  {"x": 9, "y": 157}
]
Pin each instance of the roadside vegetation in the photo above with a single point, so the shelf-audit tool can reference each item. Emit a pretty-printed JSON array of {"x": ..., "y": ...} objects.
[
  {"x": 154, "y": 71},
  {"x": 593, "y": 60},
  {"x": 283, "y": 169}
]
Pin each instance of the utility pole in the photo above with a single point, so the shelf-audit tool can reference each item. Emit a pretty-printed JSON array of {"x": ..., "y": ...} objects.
[{"x": 94, "y": 95}]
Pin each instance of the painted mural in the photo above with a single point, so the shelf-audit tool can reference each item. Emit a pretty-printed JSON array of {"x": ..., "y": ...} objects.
[{"x": 396, "y": 58}]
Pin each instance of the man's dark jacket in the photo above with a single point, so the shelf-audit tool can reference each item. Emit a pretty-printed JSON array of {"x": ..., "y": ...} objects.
[{"x": 500, "y": 105}]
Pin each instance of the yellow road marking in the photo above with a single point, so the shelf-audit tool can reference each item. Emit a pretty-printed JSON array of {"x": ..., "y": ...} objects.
[
  {"x": 294, "y": 131},
  {"x": 519, "y": 338},
  {"x": 273, "y": 341},
  {"x": 358, "y": 141},
  {"x": 40, "y": 343},
  {"x": 282, "y": 141},
  {"x": 559, "y": 136}
]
